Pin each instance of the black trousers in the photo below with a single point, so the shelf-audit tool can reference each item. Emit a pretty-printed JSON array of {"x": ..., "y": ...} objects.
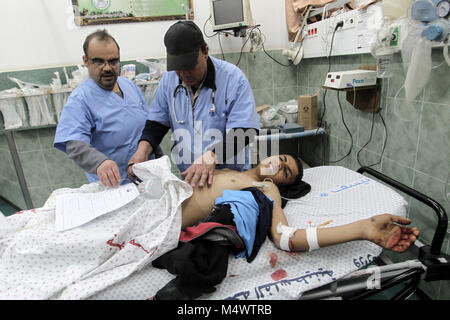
[{"x": 199, "y": 265}]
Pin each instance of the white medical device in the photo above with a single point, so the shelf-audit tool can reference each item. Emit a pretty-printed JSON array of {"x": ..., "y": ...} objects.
[
  {"x": 230, "y": 14},
  {"x": 350, "y": 79}
]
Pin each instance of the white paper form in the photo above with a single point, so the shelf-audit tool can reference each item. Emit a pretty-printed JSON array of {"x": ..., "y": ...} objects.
[{"x": 76, "y": 209}]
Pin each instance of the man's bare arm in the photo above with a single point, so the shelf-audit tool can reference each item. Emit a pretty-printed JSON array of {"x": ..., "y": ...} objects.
[{"x": 386, "y": 230}]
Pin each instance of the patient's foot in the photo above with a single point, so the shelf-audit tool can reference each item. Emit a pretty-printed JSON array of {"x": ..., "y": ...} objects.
[{"x": 390, "y": 232}]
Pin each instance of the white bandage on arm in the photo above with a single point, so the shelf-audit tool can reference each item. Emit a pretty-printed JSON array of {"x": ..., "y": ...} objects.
[
  {"x": 311, "y": 238},
  {"x": 286, "y": 234}
]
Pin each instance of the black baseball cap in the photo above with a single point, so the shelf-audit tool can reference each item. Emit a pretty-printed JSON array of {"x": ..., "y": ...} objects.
[{"x": 183, "y": 41}]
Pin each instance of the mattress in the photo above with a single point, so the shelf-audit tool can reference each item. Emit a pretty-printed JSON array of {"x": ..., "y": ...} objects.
[{"x": 338, "y": 196}]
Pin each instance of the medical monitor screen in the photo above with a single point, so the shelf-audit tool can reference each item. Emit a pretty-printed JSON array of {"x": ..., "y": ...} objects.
[{"x": 228, "y": 11}]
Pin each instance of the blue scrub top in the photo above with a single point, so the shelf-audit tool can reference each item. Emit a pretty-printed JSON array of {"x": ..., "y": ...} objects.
[
  {"x": 111, "y": 124},
  {"x": 234, "y": 108}
]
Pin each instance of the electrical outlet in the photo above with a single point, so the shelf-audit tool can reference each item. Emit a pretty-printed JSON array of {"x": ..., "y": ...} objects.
[
  {"x": 349, "y": 23},
  {"x": 256, "y": 40},
  {"x": 348, "y": 19}
]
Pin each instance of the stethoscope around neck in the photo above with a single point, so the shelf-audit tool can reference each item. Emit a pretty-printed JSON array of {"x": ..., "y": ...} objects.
[{"x": 180, "y": 88}]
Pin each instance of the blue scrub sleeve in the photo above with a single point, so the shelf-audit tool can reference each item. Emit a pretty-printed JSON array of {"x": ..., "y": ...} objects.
[
  {"x": 242, "y": 111},
  {"x": 161, "y": 104},
  {"x": 75, "y": 123}
]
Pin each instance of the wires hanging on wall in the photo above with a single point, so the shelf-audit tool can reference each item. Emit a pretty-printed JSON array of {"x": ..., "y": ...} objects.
[
  {"x": 254, "y": 34},
  {"x": 338, "y": 25}
]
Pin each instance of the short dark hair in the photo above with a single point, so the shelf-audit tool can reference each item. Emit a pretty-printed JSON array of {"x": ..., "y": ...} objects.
[
  {"x": 296, "y": 189},
  {"x": 299, "y": 176},
  {"x": 102, "y": 35}
]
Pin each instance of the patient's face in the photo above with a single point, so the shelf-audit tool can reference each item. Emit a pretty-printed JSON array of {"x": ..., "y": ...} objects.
[{"x": 282, "y": 169}]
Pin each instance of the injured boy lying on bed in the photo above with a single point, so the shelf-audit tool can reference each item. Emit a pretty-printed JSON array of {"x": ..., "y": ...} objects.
[
  {"x": 189, "y": 232},
  {"x": 251, "y": 201}
]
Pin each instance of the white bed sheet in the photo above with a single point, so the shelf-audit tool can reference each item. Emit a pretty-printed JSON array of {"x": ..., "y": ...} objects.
[
  {"x": 338, "y": 196},
  {"x": 39, "y": 262}
]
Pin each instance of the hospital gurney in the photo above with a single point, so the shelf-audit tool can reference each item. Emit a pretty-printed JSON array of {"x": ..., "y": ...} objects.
[
  {"x": 338, "y": 196},
  {"x": 110, "y": 257},
  {"x": 430, "y": 263}
]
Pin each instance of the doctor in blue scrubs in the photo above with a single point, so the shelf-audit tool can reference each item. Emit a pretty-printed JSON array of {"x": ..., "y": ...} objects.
[
  {"x": 103, "y": 119},
  {"x": 207, "y": 103}
]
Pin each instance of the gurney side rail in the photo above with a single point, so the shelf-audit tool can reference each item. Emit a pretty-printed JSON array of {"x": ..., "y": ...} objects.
[
  {"x": 437, "y": 263},
  {"x": 357, "y": 285},
  {"x": 431, "y": 263},
  {"x": 441, "y": 228}
]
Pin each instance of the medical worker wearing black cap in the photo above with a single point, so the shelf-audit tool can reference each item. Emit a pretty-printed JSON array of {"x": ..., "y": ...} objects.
[{"x": 207, "y": 103}]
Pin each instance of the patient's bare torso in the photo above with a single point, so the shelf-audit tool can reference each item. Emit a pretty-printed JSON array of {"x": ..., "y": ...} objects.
[{"x": 200, "y": 204}]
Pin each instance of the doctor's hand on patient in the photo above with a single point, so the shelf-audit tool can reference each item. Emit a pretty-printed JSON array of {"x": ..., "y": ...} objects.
[
  {"x": 109, "y": 174},
  {"x": 201, "y": 171}
]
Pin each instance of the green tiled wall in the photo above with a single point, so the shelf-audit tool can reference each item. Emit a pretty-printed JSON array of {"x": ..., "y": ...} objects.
[
  {"x": 417, "y": 152},
  {"x": 9, "y": 183},
  {"x": 45, "y": 168}
]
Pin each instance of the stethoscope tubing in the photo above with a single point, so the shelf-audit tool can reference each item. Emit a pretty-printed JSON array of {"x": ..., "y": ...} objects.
[{"x": 175, "y": 92}]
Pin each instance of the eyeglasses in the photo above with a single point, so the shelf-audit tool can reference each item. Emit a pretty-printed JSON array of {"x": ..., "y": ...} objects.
[{"x": 100, "y": 63}]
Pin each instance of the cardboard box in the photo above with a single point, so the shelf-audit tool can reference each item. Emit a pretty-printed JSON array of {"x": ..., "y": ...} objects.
[{"x": 307, "y": 111}]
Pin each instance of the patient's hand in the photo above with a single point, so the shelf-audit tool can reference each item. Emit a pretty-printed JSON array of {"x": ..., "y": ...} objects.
[{"x": 390, "y": 232}]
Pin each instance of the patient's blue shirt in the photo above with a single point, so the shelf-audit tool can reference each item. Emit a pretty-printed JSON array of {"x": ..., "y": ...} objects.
[{"x": 246, "y": 211}]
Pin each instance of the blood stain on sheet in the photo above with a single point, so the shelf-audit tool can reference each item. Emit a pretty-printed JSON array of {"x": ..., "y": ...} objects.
[
  {"x": 279, "y": 274},
  {"x": 273, "y": 259}
]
